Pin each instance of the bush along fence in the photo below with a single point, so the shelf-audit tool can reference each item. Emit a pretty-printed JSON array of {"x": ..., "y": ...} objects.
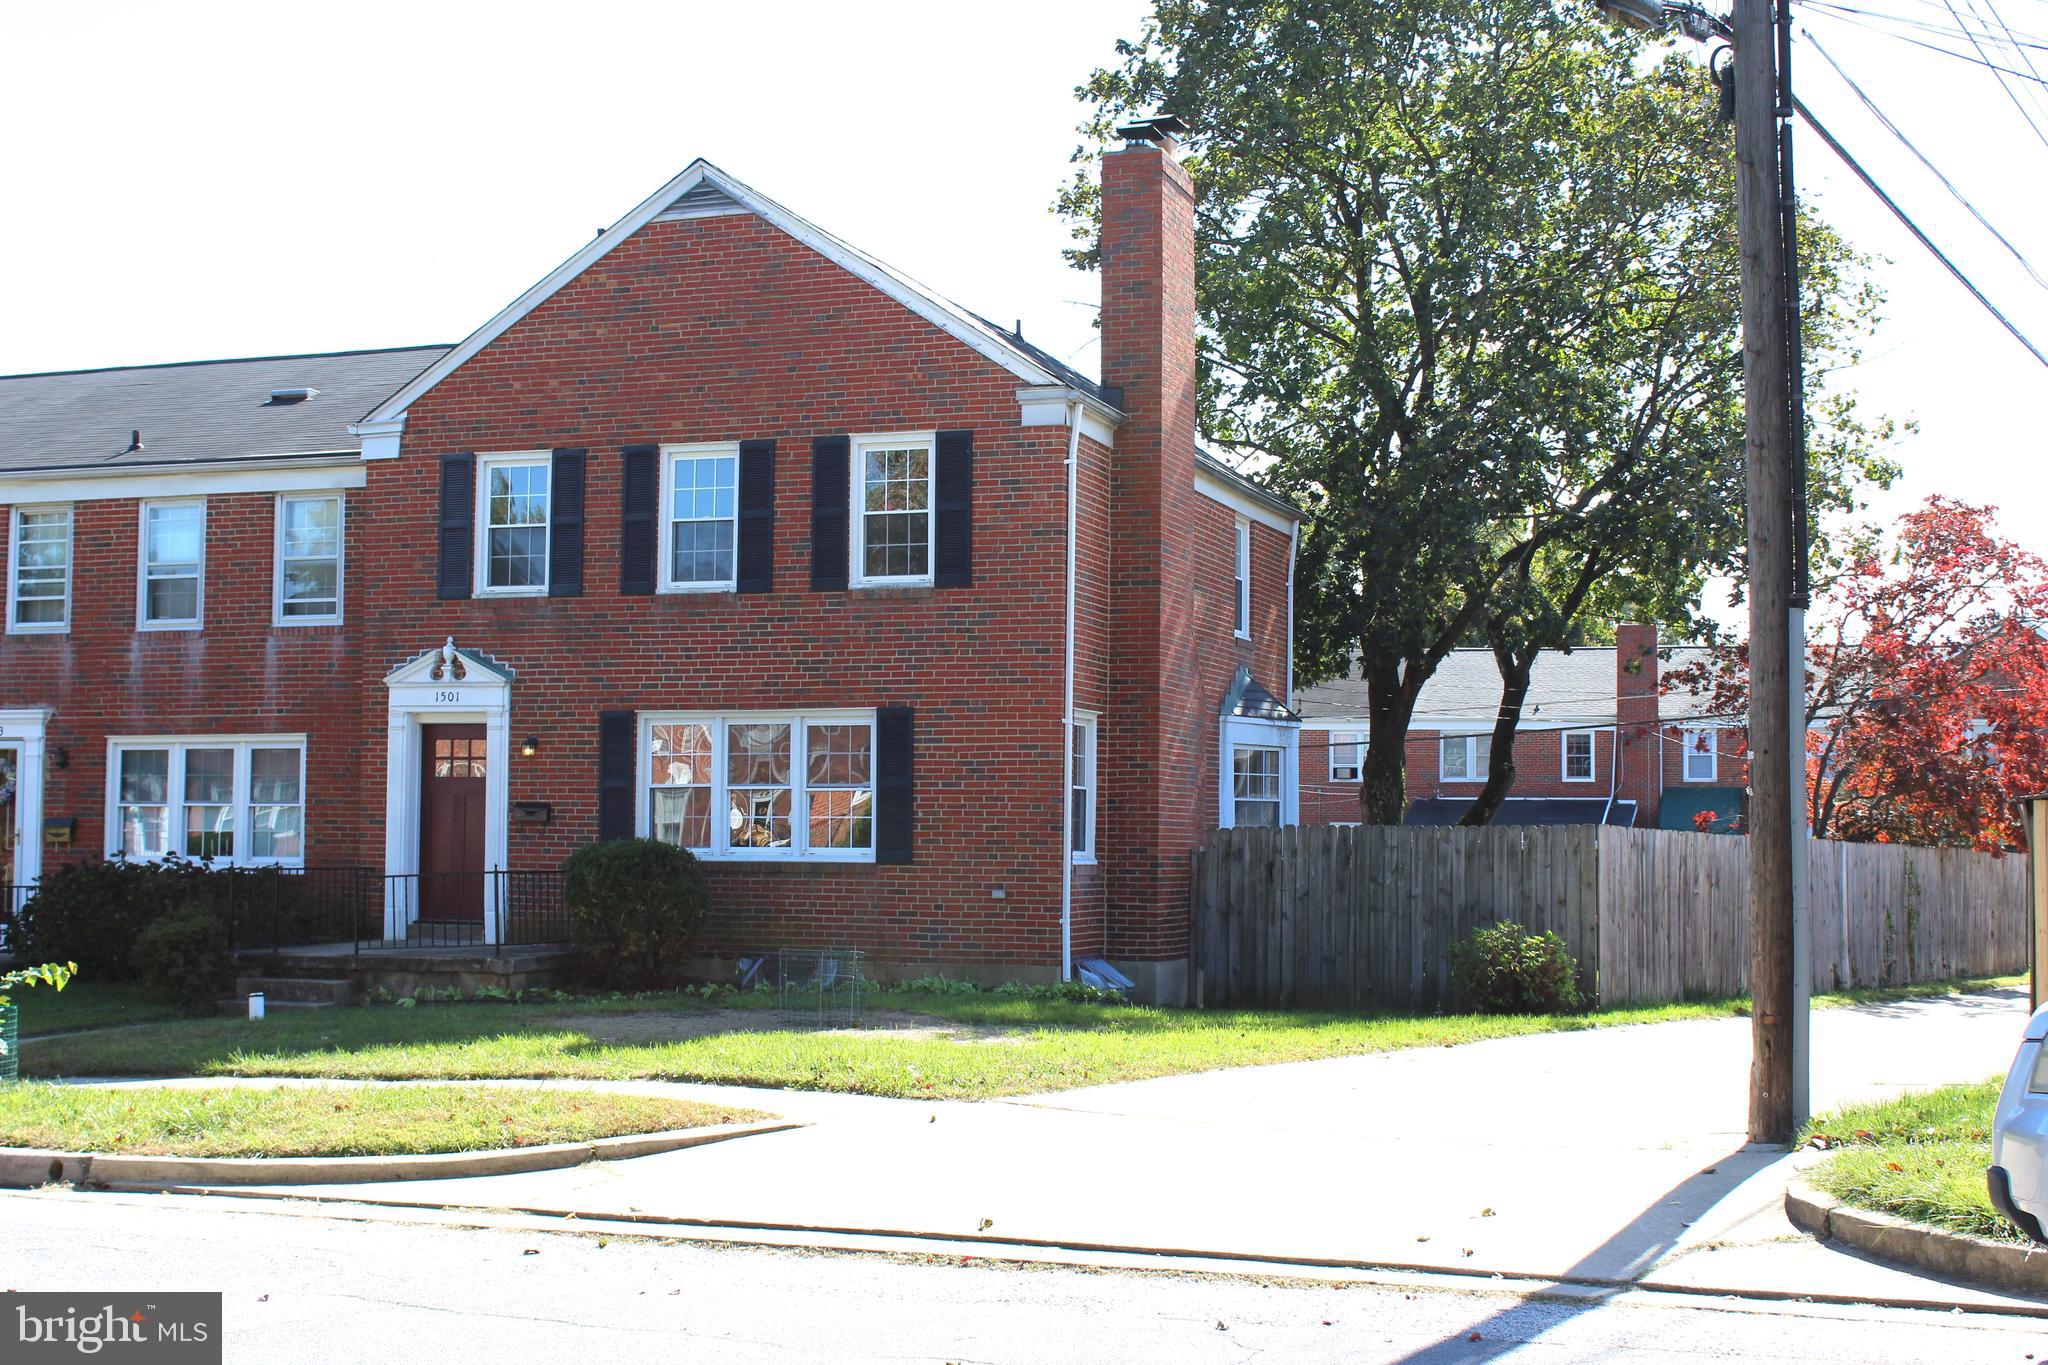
[{"x": 1364, "y": 917}]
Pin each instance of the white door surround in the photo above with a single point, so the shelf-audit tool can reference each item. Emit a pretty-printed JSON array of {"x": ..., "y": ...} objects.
[
  {"x": 444, "y": 686},
  {"x": 22, "y": 730}
]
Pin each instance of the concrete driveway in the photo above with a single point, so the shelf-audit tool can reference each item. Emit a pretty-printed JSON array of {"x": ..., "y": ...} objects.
[{"x": 1613, "y": 1154}]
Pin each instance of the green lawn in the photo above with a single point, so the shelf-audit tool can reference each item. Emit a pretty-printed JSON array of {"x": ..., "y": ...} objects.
[
  {"x": 84, "y": 1005},
  {"x": 921, "y": 1046},
  {"x": 1921, "y": 1157},
  {"x": 323, "y": 1121}
]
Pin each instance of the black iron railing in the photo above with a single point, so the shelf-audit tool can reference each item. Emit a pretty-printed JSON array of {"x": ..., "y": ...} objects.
[
  {"x": 451, "y": 909},
  {"x": 12, "y": 898}
]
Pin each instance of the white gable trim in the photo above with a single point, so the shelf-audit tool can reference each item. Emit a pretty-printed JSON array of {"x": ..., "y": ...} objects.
[{"x": 919, "y": 300}]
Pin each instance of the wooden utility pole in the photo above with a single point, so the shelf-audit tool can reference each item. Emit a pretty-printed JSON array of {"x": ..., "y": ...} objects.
[{"x": 1768, "y": 457}]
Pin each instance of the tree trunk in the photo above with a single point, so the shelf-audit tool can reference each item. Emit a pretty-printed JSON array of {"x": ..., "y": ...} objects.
[
  {"x": 1389, "y": 706},
  {"x": 1500, "y": 765}
]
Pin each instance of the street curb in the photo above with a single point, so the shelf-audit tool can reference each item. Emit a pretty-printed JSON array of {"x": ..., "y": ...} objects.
[
  {"x": 2007, "y": 1266},
  {"x": 26, "y": 1167}
]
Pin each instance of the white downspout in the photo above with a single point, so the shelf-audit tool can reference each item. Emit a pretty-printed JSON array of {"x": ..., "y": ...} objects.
[
  {"x": 1613, "y": 772},
  {"x": 1293, "y": 540},
  {"x": 1067, "y": 707}
]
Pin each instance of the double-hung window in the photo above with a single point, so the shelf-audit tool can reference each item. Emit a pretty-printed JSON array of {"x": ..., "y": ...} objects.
[
  {"x": 513, "y": 496},
  {"x": 700, "y": 532},
  {"x": 761, "y": 785},
  {"x": 1255, "y": 784},
  {"x": 1578, "y": 756},
  {"x": 1083, "y": 736},
  {"x": 308, "y": 584},
  {"x": 1701, "y": 758},
  {"x": 892, "y": 509},
  {"x": 1241, "y": 579},
  {"x": 1347, "y": 756},
  {"x": 1464, "y": 758},
  {"x": 223, "y": 800},
  {"x": 39, "y": 570},
  {"x": 171, "y": 594}
]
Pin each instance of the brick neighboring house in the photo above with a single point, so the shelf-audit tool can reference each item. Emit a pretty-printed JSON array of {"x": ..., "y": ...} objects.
[
  {"x": 1599, "y": 742},
  {"x": 723, "y": 533}
]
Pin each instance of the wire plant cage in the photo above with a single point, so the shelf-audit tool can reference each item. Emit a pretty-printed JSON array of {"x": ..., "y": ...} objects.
[
  {"x": 819, "y": 987},
  {"x": 10, "y": 1043}
]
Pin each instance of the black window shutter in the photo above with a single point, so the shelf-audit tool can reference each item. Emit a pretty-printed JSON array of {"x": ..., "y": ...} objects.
[
  {"x": 953, "y": 505},
  {"x": 895, "y": 786},
  {"x": 615, "y": 775},
  {"x": 458, "y": 525},
  {"x": 640, "y": 490},
  {"x": 565, "y": 525},
  {"x": 831, "y": 479},
  {"x": 757, "y": 517}
]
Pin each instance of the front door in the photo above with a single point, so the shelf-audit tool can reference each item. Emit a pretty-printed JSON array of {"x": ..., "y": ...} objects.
[{"x": 452, "y": 823}]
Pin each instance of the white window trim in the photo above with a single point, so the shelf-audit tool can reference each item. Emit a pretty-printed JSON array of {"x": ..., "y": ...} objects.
[
  {"x": 669, "y": 455},
  {"x": 1347, "y": 738},
  {"x": 1471, "y": 739},
  {"x": 1261, "y": 734},
  {"x": 277, "y": 616},
  {"x": 719, "y": 723},
  {"x": 1090, "y": 724},
  {"x": 857, "y": 500},
  {"x": 174, "y": 793},
  {"x": 1686, "y": 754},
  {"x": 1564, "y": 752},
  {"x": 1242, "y": 570},
  {"x": 14, "y": 567},
  {"x": 142, "y": 622},
  {"x": 481, "y": 522}
]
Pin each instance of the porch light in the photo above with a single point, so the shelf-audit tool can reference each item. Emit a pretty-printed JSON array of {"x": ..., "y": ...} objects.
[{"x": 528, "y": 747}]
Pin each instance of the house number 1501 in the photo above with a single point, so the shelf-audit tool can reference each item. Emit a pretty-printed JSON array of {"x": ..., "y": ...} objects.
[{"x": 447, "y": 696}]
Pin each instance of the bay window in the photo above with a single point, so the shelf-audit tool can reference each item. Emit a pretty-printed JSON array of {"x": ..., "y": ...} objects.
[
  {"x": 229, "y": 800},
  {"x": 761, "y": 786},
  {"x": 1255, "y": 784}
]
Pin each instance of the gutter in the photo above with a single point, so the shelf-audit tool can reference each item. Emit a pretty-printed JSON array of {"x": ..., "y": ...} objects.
[
  {"x": 1067, "y": 706},
  {"x": 39, "y": 473}
]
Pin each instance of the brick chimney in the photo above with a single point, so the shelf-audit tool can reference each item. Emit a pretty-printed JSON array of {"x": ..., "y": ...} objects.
[
  {"x": 1636, "y": 703},
  {"x": 1154, "y": 741}
]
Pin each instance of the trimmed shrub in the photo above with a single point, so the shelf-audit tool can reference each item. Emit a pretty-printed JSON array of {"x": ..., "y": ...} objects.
[
  {"x": 92, "y": 913},
  {"x": 183, "y": 956},
  {"x": 1508, "y": 970},
  {"x": 634, "y": 907}
]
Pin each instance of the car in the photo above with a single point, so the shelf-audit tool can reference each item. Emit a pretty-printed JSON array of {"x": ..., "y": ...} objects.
[{"x": 2018, "y": 1177}]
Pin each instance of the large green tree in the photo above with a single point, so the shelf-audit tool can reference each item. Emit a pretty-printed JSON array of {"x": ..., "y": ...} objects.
[{"x": 1467, "y": 284}]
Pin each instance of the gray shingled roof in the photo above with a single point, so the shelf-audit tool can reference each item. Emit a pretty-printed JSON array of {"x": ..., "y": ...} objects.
[
  {"x": 197, "y": 411},
  {"x": 1466, "y": 686}
]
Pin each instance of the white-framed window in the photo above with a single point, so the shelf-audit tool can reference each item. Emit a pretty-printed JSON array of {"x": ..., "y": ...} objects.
[
  {"x": 39, "y": 570},
  {"x": 1255, "y": 784},
  {"x": 1701, "y": 754},
  {"x": 306, "y": 590},
  {"x": 1241, "y": 561},
  {"x": 1083, "y": 738},
  {"x": 892, "y": 508},
  {"x": 232, "y": 799},
  {"x": 760, "y": 785},
  {"x": 171, "y": 578},
  {"x": 1578, "y": 756},
  {"x": 1347, "y": 756},
  {"x": 513, "y": 493},
  {"x": 700, "y": 521},
  {"x": 1464, "y": 758}
]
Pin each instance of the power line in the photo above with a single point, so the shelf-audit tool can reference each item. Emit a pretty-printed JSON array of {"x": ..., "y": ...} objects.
[
  {"x": 1926, "y": 26},
  {"x": 1843, "y": 18},
  {"x": 1854, "y": 165},
  {"x": 2011, "y": 94},
  {"x": 1921, "y": 156},
  {"x": 2012, "y": 40}
]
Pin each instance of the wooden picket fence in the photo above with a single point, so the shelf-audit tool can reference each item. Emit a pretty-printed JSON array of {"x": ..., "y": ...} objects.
[{"x": 1364, "y": 917}]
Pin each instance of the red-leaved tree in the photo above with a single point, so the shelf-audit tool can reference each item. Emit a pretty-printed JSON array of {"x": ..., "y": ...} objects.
[{"x": 1927, "y": 686}]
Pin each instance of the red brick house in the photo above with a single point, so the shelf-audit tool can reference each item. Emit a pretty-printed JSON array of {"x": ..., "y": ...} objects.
[
  {"x": 723, "y": 533},
  {"x": 1600, "y": 742}
]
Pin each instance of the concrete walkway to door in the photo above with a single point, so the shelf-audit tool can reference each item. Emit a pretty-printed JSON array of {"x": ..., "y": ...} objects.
[{"x": 1613, "y": 1154}]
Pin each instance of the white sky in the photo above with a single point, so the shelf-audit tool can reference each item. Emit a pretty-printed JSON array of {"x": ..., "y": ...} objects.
[{"x": 198, "y": 180}]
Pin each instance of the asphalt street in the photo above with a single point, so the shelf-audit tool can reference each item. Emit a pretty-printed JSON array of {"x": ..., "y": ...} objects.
[{"x": 315, "y": 1290}]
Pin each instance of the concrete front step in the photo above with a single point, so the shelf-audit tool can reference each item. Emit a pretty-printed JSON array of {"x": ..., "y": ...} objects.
[
  {"x": 311, "y": 990},
  {"x": 237, "y": 1006}
]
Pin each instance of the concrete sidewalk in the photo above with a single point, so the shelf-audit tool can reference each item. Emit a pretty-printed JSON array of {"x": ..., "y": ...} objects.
[{"x": 1608, "y": 1155}]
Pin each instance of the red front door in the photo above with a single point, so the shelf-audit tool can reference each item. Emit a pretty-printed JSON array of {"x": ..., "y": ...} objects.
[{"x": 452, "y": 823}]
